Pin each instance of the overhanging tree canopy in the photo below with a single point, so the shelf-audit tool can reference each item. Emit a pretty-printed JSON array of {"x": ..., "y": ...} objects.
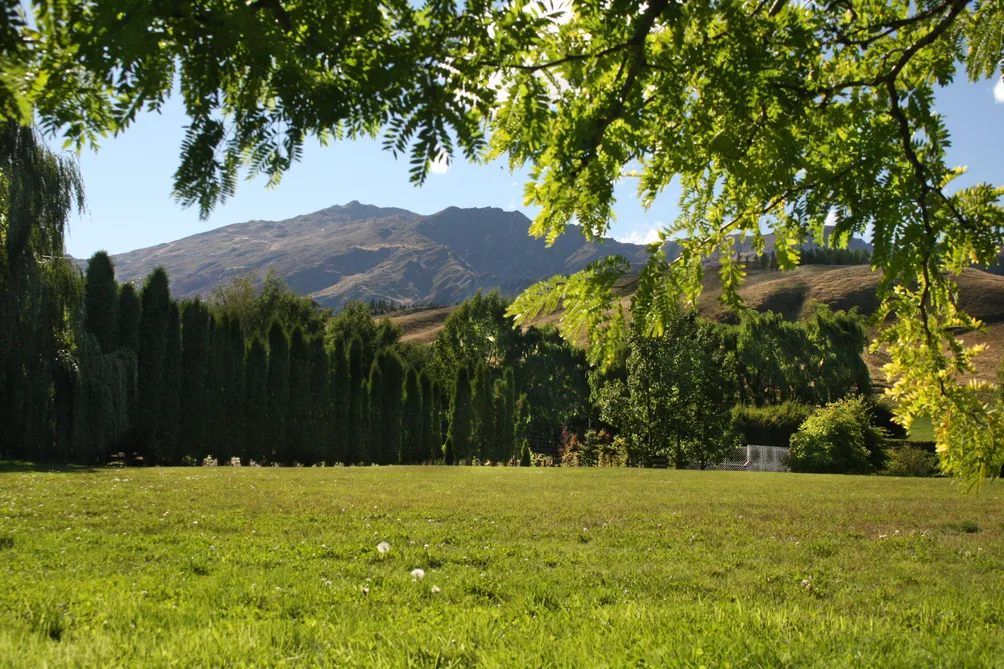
[{"x": 772, "y": 115}]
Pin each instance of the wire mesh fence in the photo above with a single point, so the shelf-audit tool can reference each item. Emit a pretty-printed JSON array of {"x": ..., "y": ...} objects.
[{"x": 753, "y": 458}]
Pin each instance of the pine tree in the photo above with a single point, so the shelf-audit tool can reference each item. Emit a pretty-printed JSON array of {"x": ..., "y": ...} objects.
[
  {"x": 412, "y": 441},
  {"x": 128, "y": 330},
  {"x": 277, "y": 393},
  {"x": 337, "y": 426},
  {"x": 299, "y": 399},
  {"x": 438, "y": 414},
  {"x": 355, "y": 437},
  {"x": 461, "y": 416},
  {"x": 393, "y": 406},
  {"x": 481, "y": 413},
  {"x": 508, "y": 428},
  {"x": 156, "y": 301},
  {"x": 524, "y": 454},
  {"x": 235, "y": 392},
  {"x": 129, "y": 315},
  {"x": 426, "y": 446},
  {"x": 214, "y": 412},
  {"x": 169, "y": 425},
  {"x": 194, "y": 367},
  {"x": 319, "y": 412},
  {"x": 101, "y": 302},
  {"x": 377, "y": 432},
  {"x": 256, "y": 400}
]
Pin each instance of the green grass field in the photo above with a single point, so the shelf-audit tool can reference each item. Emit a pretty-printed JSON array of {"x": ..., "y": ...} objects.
[{"x": 557, "y": 567}]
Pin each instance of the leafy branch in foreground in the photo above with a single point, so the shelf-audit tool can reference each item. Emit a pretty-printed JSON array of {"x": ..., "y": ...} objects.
[{"x": 772, "y": 117}]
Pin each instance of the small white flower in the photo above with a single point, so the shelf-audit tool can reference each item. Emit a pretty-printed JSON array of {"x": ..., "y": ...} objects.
[
  {"x": 366, "y": 591},
  {"x": 435, "y": 589},
  {"x": 426, "y": 546},
  {"x": 383, "y": 547},
  {"x": 418, "y": 574}
]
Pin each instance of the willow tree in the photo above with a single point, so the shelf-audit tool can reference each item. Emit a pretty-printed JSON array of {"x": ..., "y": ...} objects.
[
  {"x": 772, "y": 117},
  {"x": 40, "y": 293}
]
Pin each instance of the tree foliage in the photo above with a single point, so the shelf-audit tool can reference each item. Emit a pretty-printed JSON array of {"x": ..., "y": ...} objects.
[{"x": 771, "y": 117}]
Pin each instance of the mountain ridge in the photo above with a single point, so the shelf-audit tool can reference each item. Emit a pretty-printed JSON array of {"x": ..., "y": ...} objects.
[{"x": 362, "y": 251}]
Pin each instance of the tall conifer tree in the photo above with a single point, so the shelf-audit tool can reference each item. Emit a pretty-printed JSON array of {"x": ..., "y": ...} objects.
[
  {"x": 461, "y": 416},
  {"x": 129, "y": 315},
  {"x": 194, "y": 364},
  {"x": 101, "y": 302},
  {"x": 299, "y": 399},
  {"x": 156, "y": 305},
  {"x": 393, "y": 406},
  {"x": 169, "y": 425},
  {"x": 256, "y": 400},
  {"x": 277, "y": 390},
  {"x": 377, "y": 433},
  {"x": 481, "y": 412},
  {"x": 426, "y": 447},
  {"x": 355, "y": 438},
  {"x": 411, "y": 443},
  {"x": 337, "y": 427},
  {"x": 319, "y": 411},
  {"x": 235, "y": 392}
]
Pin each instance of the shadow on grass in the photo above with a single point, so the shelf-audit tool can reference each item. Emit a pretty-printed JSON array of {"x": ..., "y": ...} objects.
[{"x": 23, "y": 466}]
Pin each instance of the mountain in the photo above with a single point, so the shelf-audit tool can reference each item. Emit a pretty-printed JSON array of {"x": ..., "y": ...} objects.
[{"x": 363, "y": 252}]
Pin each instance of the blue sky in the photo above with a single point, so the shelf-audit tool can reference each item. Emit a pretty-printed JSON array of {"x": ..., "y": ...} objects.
[{"x": 128, "y": 181}]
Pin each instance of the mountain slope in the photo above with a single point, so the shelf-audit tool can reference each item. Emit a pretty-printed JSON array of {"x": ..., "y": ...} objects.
[
  {"x": 365, "y": 252},
  {"x": 792, "y": 294}
]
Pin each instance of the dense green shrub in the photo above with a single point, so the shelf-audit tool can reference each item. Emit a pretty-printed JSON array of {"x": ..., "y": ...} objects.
[
  {"x": 908, "y": 460},
  {"x": 839, "y": 439},
  {"x": 770, "y": 425},
  {"x": 882, "y": 416}
]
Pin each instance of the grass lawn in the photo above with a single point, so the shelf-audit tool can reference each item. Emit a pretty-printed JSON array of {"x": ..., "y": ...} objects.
[{"x": 557, "y": 568}]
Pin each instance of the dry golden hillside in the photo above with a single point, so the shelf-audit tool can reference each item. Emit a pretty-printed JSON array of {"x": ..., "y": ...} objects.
[{"x": 792, "y": 294}]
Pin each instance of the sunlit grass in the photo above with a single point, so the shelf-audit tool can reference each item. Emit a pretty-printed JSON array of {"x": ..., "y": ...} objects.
[{"x": 556, "y": 567}]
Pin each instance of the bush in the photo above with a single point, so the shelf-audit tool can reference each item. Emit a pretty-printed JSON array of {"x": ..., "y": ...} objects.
[
  {"x": 838, "y": 439},
  {"x": 882, "y": 416},
  {"x": 770, "y": 425},
  {"x": 909, "y": 460}
]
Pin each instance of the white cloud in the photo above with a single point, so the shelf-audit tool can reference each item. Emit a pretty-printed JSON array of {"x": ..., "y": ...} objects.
[
  {"x": 649, "y": 236},
  {"x": 999, "y": 91},
  {"x": 512, "y": 205},
  {"x": 831, "y": 217},
  {"x": 440, "y": 165}
]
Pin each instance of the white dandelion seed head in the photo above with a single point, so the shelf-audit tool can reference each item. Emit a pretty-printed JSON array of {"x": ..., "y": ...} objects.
[
  {"x": 383, "y": 547},
  {"x": 418, "y": 574}
]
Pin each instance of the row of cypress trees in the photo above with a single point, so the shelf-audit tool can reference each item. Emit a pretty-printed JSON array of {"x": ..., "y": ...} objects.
[{"x": 200, "y": 386}]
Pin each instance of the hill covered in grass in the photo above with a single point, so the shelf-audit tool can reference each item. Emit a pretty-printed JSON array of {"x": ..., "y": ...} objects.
[{"x": 793, "y": 294}]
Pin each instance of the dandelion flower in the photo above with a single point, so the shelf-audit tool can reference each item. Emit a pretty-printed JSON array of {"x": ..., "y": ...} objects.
[
  {"x": 435, "y": 589},
  {"x": 383, "y": 547},
  {"x": 418, "y": 574}
]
